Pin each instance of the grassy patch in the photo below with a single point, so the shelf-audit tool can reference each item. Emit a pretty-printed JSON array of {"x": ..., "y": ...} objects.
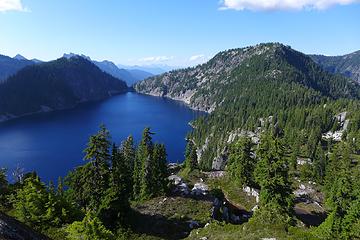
[
  {"x": 168, "y": 217},
  {"x": 233, "y": 193},
  {"x": 248, "y": 231},
  {"x": 191, "y": 177}
]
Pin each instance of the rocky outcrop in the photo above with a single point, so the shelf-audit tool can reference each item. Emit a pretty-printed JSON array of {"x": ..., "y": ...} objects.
[
  {"x": 252, "y": 192},
  {"x": 11, "y": 229},
  {"x": 343, "y": 125}
]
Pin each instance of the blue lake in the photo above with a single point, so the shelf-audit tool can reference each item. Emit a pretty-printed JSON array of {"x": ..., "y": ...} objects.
[{"x": 53, "y": 143}]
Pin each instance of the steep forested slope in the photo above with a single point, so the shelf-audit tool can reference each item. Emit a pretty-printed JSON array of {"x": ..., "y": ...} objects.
[
  {"x": 9, "y": 66},
  {"x": 55, "y": 85},
  {"x": 247, "y": 89}
]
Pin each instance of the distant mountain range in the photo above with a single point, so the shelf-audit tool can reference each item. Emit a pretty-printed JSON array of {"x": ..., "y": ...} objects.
[
  {"x": 9, "y": 66},
  {"x": 130, "y": 76},
  {"x": 347, "y": 65},
  {"x": 155, "y": 69},
  {"x": 54, "y": 85}
]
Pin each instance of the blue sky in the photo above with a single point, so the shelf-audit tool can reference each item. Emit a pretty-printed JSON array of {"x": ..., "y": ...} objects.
[{"x": 174, "y": 32}]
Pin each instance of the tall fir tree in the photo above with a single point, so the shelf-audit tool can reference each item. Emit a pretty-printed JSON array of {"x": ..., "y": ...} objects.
[
  {"x": 240, "y": 163},
  {"x": 143, "y": 167},
  {"x": 160, "y": 171},
  {"x": 272, "y": 175},
  {"x": 319, "y": 163},
  {"x": 191, "y": 161},
  {"x": 115, "y": 202},
  {"x": 97, "y": 153},
  {"x": 127, "y": 151}
]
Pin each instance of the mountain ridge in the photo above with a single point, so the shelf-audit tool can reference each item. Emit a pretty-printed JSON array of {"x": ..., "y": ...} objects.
[
  {"x": 347, "y": 65},
  {"x": 9, "y": 66},
  {"x": 201, "y": 76},
  {"x": 127, "y": 75},
  {"x": 243, "y": 86},
  {"x": 55, "y": 85}
]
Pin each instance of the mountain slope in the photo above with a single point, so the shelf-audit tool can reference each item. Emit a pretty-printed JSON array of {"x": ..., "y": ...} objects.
[
  {"x": 9, "y": 66},
  {"x": 127, "y": 75},
  {"x": 112, "y": 69},
  {"x": 154, "y": 69},
  {"x": 59, "y": 84},
  {"x": 202, "y": 87},
  {"x": 246, "y": 88},
  {"x": 347, "y": 65},
  {"x": 130, "y": 76}
]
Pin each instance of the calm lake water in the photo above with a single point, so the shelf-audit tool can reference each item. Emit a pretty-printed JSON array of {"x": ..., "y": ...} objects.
[{"x": 53, "y": 143}]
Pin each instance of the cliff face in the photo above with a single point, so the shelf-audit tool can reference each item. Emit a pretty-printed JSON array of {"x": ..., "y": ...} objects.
[
  {"x": 55, "y": 85},
  {"x": 240, "y": 86},
  {"x": 347, "y": 65}
]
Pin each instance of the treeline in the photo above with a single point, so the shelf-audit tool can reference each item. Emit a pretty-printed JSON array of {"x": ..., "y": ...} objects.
[{"x": 93, "y": 201}]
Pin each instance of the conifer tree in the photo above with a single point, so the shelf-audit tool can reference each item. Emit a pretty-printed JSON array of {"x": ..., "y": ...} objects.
[
  {"x": 160, "y": 171},
  {"x": 90, "y": 228},
  {"x": 97, "y": 153},
  {"x": 3, "y": 185},
  {"x": 191, "y": 162},
  {"x": 127, "y": 152},
  {"x": 319, "y": 163},
  {"x": 272, "y": 175},
  {"x": 60, "y": 187},
  {"x": 240, "y": 164},
  {"x": 144, "y": 155},
  {"x": 115, "y": 201},
  {"x": 30, "y": 201}
]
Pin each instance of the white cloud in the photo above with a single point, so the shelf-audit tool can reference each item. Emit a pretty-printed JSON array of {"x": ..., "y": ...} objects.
[
  {"x": 266, "y": 5},
  {"x": 12, "y": 5},
  {"x": 196, "y": 57},
  {"x": 156, "y": 59}
]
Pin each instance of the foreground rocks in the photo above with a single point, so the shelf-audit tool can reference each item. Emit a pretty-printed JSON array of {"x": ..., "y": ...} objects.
[{"x": 11, "y": 229}]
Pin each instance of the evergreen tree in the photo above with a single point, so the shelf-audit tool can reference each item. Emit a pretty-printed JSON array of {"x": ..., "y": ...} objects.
[
  {"x": 342, "y": 193},
  {"x": 127, "y": 152},
  {"x": 90, "y": 228},
  {"x": 272, "y": 175},
  {"x": 3, "y": 186},
  {"x": 97, "y": 153},
  {"x": 60, "y": 187},
  {"x": 30, "y": 203},
  {"x": 80, "y": 185},
  {"x": 160, "y": 171},
  {"x": 319, "y": 163},
  {"x": 191, "y": 161},
  {"x": 240, "y": 163},
  {"x": 144, "y": 174},
  {"x": 115, "y": 202}
]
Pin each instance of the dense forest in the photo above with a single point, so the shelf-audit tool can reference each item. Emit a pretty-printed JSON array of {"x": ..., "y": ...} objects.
[{"x": 54, "y": 85}]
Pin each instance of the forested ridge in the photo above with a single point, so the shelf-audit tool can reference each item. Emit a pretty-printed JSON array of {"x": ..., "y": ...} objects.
[{"x": 58, "y": 84}]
